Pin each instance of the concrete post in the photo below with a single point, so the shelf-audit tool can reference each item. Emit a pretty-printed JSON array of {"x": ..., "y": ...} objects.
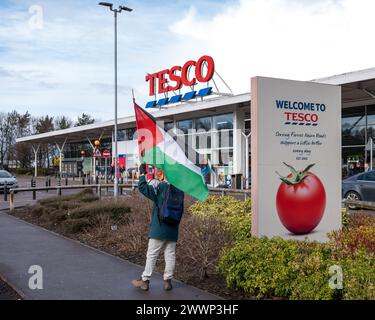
[
  {"x": 36, "y": 159},
  {"x": 247, "y": 173},
  {"x": 11, "y": 201},
  {"x": 5, "y": 191}
]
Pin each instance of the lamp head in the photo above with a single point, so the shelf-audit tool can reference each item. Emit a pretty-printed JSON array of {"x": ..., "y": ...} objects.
[
  {"x": 126, "y": 8},
  {"x": 106, "y": 4}
]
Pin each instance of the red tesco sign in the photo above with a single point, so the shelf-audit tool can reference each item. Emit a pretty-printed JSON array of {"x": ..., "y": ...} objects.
[{"x": 180, "y": 75}]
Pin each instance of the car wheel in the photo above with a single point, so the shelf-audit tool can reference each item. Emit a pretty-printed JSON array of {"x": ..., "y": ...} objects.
[{"x": 353, "y": 196}]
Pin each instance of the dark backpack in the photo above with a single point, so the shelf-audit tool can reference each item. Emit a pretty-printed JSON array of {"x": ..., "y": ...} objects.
[{"x": 172, "y": 208}]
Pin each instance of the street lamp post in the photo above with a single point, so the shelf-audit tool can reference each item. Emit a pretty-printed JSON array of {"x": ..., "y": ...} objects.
[{"x": 115, "y": 150}]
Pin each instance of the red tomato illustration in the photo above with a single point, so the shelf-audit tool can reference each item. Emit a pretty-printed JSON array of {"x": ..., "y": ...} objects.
[{"x": 301, "y": 201}]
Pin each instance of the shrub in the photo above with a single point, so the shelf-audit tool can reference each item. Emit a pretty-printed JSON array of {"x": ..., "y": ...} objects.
[
  {"x": 37, "y": 210},
  {"x": 75, "y": 225},
  {"x": 211, "y": 225},
  {"x": 85, "y": 195},
  {"x": 296, "y": 270},
  {"x": 234, "y": 214},
  {"x": 201, "y": 240},
  {"x": 57, "y": 216},
  {"x": 116, "y": 211},
  {"x": 359, "y": 235},
  {"x": 344, "y": 217},
  {"x": 359, "y": 277},
  {"x": 260, "y": 267},
  {"x": 278, "y": 268}
]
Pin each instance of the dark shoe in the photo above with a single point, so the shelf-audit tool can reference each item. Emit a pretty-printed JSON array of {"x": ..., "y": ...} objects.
[
  {"x": 140, "y": 284},
  {"x": 167, "y": 285}
]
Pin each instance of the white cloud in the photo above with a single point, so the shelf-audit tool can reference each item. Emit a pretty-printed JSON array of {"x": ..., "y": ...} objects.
[{"x": 280, "y": 38}]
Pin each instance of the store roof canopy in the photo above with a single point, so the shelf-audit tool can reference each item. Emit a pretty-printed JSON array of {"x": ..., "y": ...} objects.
[
  {"x": 358, "y": 88},
  {"x": 104, "y": 129}
]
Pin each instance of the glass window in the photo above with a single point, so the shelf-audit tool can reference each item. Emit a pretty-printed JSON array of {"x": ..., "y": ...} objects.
[
  {"x": 168, "y": 126},
  {"x": 203, "y": 124},
  {"x": 225, "y": 139},
  {"x": 185, "y": 125},
  {"x": 225, "y": 157},
  {"x": 371, "y": 114},
  {"x": 247, "y": 127},
  {"x": 126, "y": 134},
  {"x": 120, "y": 135},
  {"x": 224, "y": 121},
  {"x": 354, "y": 135},
  {"x": 203, "y": 140},
  {"x": 129, "y": 134},
  {"x": 349, "y": 122}
]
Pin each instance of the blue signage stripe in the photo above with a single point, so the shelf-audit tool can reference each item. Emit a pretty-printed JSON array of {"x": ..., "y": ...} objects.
[
  {"x": 189, "y": 95},
  {"x": 150, "y": 104},
  {"x": 204, "y": 92},
  {"x": 175, "y": 99},
  {"x": 162, "y": 102}
]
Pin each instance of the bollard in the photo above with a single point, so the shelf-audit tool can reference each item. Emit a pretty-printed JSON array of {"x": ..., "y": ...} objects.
[
  {"x": 66, "y": 181},
  {"x": 100, "y": 193},
  {"x": 11, "y": 201},
  {"x": 59, "y": 189},
  {"x": 47, "y": 185},
  {"x": 83, "y": 181},
  {"x": 33, "y": 185},
  {"x": 5, "y": 191},
  {"x": 96, "y": 180}
]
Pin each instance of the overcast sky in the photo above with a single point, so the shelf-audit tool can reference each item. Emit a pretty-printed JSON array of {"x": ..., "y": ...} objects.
[{"x": 63, "y": 63}]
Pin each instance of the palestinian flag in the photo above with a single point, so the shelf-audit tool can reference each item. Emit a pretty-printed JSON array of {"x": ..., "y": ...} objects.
[{"x": 159, "y": 149}]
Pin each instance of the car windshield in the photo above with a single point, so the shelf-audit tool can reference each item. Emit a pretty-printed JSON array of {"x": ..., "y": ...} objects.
[{"x": 4, "y": 174}]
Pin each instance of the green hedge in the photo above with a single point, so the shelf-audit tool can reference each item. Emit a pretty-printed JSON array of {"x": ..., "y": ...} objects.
[
  {"x": 235, "y": 215},
  {"x": 289, "y": 269}
]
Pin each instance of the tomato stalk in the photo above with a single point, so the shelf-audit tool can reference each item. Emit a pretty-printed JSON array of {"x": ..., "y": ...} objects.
[{"x": 297, "y": 176}]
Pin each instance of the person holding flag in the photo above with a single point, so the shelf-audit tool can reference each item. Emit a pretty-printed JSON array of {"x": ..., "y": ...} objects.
[{"x": 158, "y": 149}]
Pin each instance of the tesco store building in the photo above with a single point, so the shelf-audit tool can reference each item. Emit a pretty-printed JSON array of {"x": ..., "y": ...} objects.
[{"x": 188, "y": 101}]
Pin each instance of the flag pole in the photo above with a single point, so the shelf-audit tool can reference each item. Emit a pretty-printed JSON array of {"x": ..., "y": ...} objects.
[{"x": 133, "y": 95}]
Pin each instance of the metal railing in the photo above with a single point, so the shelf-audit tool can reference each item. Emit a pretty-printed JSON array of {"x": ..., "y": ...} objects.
[
  {"x": 366, "y": 205},
  {"x": 99, "y": 190},
  {"x": 98, "y": 187}
]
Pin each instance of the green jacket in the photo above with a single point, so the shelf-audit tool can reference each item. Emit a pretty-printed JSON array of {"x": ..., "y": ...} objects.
[{"x": 158, "y": 230}]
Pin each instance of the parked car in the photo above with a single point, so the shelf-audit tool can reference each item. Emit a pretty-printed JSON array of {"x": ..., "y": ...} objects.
[
  {"x": 9, "y": 179},
  {"x": 360, "y": 187}
]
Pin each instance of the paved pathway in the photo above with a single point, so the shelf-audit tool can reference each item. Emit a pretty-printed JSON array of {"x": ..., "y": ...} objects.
[{"x": 72, "y": 270}]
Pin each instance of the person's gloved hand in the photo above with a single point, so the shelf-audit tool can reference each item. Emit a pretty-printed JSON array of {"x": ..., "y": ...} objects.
[{"x": 142, "y": 168}]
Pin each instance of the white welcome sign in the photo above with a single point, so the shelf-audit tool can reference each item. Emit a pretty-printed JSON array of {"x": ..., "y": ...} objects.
[{"x": 295, "y": 158}]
